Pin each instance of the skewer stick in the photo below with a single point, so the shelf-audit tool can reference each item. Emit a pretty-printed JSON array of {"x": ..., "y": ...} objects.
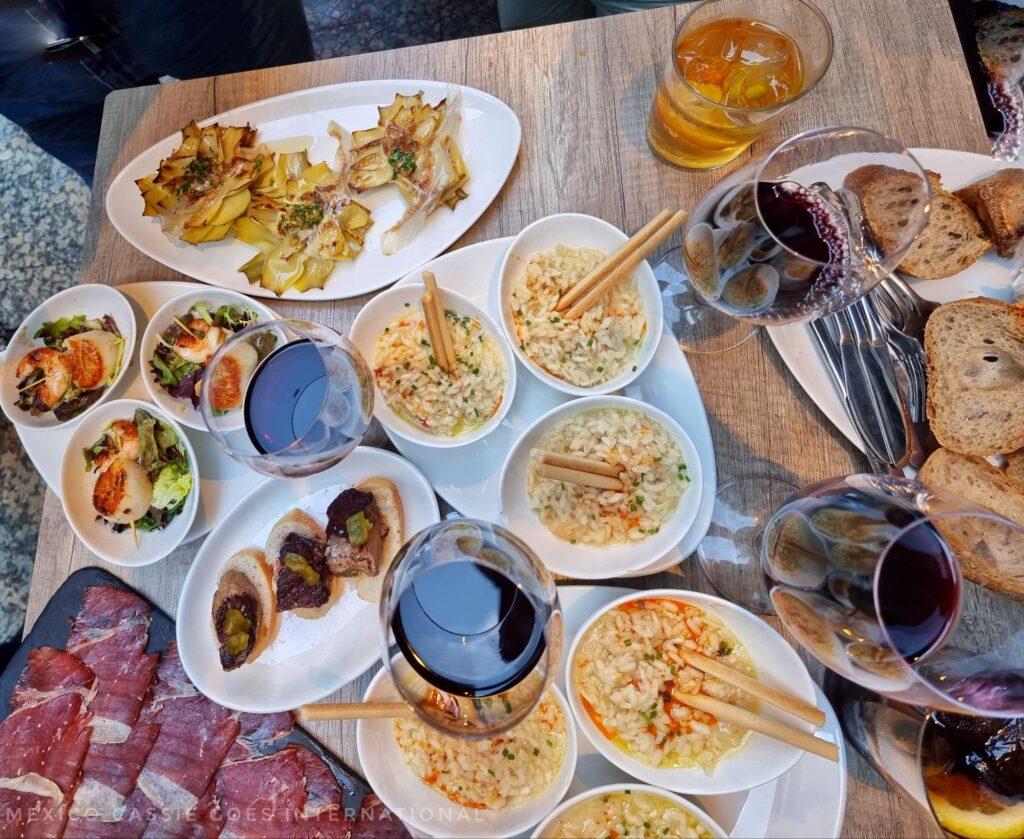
[
  {"x": 434, "y": 330},
  {"x": 611, "y": 262},
  {"x": 780, "y": 699},
  {"x": 768, "y": 727},
  {"x": 189, "y": 331},
  {"x": 446, "y": 336},
  {"x": 627, "y": 266},
  {"x": 31, "y": 385},
  {"x": 575, "y": 476},
  {"x": 355, "y": 711},
  {"x": 135, "y": 536},
  {"x": 581, "y": 464}
]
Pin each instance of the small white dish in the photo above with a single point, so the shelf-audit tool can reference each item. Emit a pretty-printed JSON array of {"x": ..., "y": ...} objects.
[
  {"x": 90, "y": 299},
  {"x": 380, "y": 312},
  {"x": 576, "y": 230},
  {"x": 634, "y": 789},
  {"x": 592, "y": 562},
  {"x": 427, "y": 810},
  {"x": 181, "y": 409},
  {"x": 760, "y": 759},
  {"x": 76, "y": 485},
  {"x": 308, "y": 659}
]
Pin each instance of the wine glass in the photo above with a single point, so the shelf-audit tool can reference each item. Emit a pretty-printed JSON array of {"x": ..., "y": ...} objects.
[
  {"x": 782, "y": 239},
  {"x": 288, "y": 398},
  {"x": 478, "y": 625},
  {"x": 906, "y": 591}
]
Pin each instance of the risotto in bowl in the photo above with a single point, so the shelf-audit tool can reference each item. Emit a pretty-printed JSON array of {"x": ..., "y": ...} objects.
[
  {"x": 628, "y": 811},
  {"x": 448, "y": 786},
  {"x": 414, "y": 397},
  {"x": 592, "y": 533},
  {"x": 624, "y": 676},
  {"x": 610, "y": 344}
]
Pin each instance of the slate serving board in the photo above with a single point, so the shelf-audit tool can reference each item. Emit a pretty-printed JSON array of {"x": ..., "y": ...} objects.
[{"x": 54, "y": 623}]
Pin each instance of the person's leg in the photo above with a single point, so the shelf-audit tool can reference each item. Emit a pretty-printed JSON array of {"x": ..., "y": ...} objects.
[{"x": 520, "y": 14}]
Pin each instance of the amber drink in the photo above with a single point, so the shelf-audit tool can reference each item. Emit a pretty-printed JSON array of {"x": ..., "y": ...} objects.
[{"x": 735, "y": 67}]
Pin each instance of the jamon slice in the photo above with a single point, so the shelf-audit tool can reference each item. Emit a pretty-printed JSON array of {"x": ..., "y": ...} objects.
[
  {"x": 322, "y": 790},
  {"x": 43, "y": 743},
  {"x": 109, "y": 636},
  {"x": 375, "y": 821},
  {"x": 256, "y": 731},
  {"x": 263, "y": 796}
]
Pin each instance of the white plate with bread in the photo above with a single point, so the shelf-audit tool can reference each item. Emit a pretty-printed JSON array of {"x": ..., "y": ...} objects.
[
  {"x": 984, "y": 215},
  {"x": 279, "y": 607}
]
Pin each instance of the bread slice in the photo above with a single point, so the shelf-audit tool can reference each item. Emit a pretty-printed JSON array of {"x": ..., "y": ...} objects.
[
  {"x": 247, "y": 572},
  {"x": 1014, "y": 470},
  {"x": 296, "y": 521},
  {"x": 1001, "y": 565},
  {"x": 1001, "y": 44},
  {"x": 389, "y": 505},
  {"x": 952, "y": 240},
  {"x": 974, "y": 350},
  {"x": 998, "y": 201}
]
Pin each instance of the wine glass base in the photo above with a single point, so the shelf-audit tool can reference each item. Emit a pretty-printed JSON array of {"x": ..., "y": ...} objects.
[
  {"x": 730, "y": 553},
  {"x": 698, "y": 327}
]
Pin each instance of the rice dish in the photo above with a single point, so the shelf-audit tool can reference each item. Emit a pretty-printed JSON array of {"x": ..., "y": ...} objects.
[
  {"x": 586, "y": 351},
  {"x": 626, "y": 670},
  {"x": 625, "y": 815},
  {"x": 490, "y": 774},
  {"x": 654, "y": 477},
  {"x": 416, "y": 388}
]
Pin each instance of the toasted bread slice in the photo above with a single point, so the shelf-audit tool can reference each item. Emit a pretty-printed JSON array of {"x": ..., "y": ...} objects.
[
  {"x": 998, "y": 202},
  {"x": 1014, "y": 470},
  {"x": 389, "y": 505},
  {"x": 247, "y": 573},
  {"x": 1001, "y": 44},
  {"x": 974, "y": 478},
  {"x": 953, "y": 238},
  {"x": 974, "y": 350},
  {"x": 296, "y": 521}
]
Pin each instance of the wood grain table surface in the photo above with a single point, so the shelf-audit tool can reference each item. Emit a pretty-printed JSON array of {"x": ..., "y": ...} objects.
[{"x": 582, "y": 91}]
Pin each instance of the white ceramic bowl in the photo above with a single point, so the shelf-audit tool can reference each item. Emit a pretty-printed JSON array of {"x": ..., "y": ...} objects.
[
  {"x": 181, "y": 409},
  {"x": 431, "y": 812},
  {"x": 380, "y": 312},
  {"x": 592, "y": 562},
  {"x": 576, "y": 230},
  {"x": 760, "y": 759},
  {"x": 76, "y": 484},
  {"x": 713, "y": 827},
  {"x": 90, "y": 299}
]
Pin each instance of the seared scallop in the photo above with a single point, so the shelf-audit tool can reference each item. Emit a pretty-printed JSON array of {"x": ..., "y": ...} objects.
[
  {"x": 92, "y": 357},
  {"x": 231, "y": 375},
  {"x": 123, "y": 492}
]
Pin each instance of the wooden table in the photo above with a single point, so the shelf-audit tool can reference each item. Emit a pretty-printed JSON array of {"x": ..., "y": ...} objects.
[{"x": 582, "y": 91}]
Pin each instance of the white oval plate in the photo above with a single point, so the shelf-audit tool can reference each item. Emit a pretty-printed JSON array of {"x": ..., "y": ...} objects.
[
  {"x": 309, "y": 659},
  {"x": 489, "y": 140},
  {"x": 576, "y": 230},
  {"x": 181, "y": 409},
  {"x": 990, "y": 276},
  {"x": 427, "y": 810},
  {"x": 760, "y": 759},
  {"x": 641, "y": 789},
  {"x": 76, "y": 485},
  {"x": 470, "y": 482},
  {"x": 223, "y": 480},
  {"x": 381, "y": 311},
  {"x": 93, "y": 301},
  {"x": 807, "y": 802},
  {"x": 590, "y": 562}
]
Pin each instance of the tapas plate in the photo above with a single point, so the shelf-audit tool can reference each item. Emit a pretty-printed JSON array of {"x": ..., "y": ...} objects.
[
  {"x": 222, "y": 480},
  {"x": 309, "y": 658},
  {"x": 469, "y": 480},
  {"x": 489, "y": 139},
  {"x": 990, "y": 276}
]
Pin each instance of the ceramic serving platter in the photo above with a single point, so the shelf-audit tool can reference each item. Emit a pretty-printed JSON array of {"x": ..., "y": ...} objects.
[
  {"x": 222, "y": 480},
  {"x": 489, "y": 139},
  {"x": 468, "y": 478},
  {"x": 990, "y": 276}
]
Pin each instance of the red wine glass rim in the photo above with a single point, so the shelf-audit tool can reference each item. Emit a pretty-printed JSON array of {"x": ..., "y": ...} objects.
[{"x": 812, "y": 84}]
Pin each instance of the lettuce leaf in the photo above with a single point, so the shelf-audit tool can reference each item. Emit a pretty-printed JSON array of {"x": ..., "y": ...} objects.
[{"x": 172, "y": 485}]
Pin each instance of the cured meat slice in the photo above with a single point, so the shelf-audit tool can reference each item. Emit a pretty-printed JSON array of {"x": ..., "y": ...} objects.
[
  {"x": 109, "y": 636},
  {"x": 375, "y": 821},
  {"x": 263, "y": 796},
  {"x": 42, "y": 743},
  {"x": 256, "y": 731},
  {"x": 322, "y": 790}
]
